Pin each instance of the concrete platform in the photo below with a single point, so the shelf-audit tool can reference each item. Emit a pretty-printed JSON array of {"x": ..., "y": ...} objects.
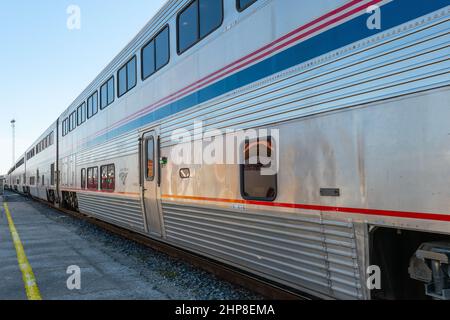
[{"x": 51, "y": 248}]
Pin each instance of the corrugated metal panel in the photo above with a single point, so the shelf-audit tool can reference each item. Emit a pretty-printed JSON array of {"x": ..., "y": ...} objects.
[
  {"x": 123, "y": 211},
  {"x": 408, "y": 58},
  {"x": 305, "y": 252},
  {"x": 120, "y": 147}
]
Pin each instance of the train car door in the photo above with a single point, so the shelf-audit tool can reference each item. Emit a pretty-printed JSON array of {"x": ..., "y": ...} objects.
[{"x": 151, "y": 182}]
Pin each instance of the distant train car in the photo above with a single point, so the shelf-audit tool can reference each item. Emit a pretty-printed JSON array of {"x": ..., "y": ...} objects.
[
  {"x": 2, "y": 184},
  {"x": 41, "y": 166},
  {"x": 353, "y": 99}
]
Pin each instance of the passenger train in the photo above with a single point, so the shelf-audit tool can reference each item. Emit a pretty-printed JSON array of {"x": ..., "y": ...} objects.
[{"x": 358, "y": 91}]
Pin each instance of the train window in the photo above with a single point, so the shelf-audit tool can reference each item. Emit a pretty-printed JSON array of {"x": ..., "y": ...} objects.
[
  {"x": 244, "y": 4},
  {"x": 111, "y": 90},
  {"x": 83, "y": 178},
  {"x": 188, "y": 27},
  {"x": 211, "y": 16},
  {"x": 126, "y": 79},
  {"x": 197, "y": 21},
  {"x": 122, "y": 81},
  {"x": 148, "y": 60},
  {"x": 92, "y": 178},
  {"x": 69, "y": 124},
  {"x": 92, "y": 105},
  {"x": 162, "y": 48},
  {"x": 51, "y": 138},
  {"x": 81, "y": 114},
  {"x": 255, "y": 185},
  {"x": 108, "y": 177},
  {"x": 72, "y": 121},
  {"x": 131, "y": 74},
  {"x": 63, "y": 129},
  {"x": 155, "y": 54},
  {"x": 150, "y": 158},
  {"x": 107, "y": 93}
]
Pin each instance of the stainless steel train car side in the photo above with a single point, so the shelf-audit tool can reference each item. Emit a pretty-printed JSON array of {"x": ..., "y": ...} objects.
[
  {"x": 361, "y": 110},
  {"x": 41, "y": 166}
]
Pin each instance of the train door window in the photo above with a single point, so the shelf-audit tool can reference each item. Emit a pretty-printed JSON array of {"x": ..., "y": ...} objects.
[
  {"x": 83, "y": 178},
  {"x": 127, "y": 77},
  {"x": 92, "y": 105},
  {"x": 92, "y": 178},
  {"x": 52, "y": 174},
  {"x": 255, "y": 185},
  {"x": 81, "y": 114},
  {"x": 150, "y": 158},
  {"x": 197, "y": 21},
  {"x": 37, "y": 177},
  {"x": 107, "y": 93},
  {"x": 244, "y": 4},
  {"x": 43, "y": 180},
  {"x": 155, "y": 54},
  {"x": 108, "y": 177}
]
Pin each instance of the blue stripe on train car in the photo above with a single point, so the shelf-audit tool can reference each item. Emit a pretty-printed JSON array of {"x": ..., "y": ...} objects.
[{"x": 394, "y": 13}]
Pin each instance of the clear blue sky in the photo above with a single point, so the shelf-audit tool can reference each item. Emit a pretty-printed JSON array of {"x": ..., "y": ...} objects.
[{"x": 44, "y": 66}]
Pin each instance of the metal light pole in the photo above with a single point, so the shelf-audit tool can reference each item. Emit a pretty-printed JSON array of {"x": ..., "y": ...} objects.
[{"x": 13, "y": 126}]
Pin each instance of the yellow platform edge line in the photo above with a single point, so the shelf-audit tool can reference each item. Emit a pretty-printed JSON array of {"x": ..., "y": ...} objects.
[{"x": 28, "y": 277}]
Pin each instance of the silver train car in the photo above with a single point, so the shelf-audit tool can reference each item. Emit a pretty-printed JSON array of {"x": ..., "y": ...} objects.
[{"x": 358, "y": 93}]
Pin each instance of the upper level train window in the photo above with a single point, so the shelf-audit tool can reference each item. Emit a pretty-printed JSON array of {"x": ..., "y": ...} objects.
[
  {"x": 107, "y": 93},
  {"x": 197, "y": 21},
  {"x": 81, "y": 114},
  {"x": 51, "y": 138},
  {"x": 92, "y": 105},
  {"x": 244, "y": 4},
  {"x": 126, "y": 77},
  {"x": 108, "y": 177},
  {"x": 64, "y": 129},
  {"x": 156, "y": 53},
  {"x": 66, "y": 126},
  {"x": 258, "y": 177},
  {"x": 73, "y": 121}
]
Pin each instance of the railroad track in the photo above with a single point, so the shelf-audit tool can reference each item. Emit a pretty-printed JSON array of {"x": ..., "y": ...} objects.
[{"x": 237, "y": 277}]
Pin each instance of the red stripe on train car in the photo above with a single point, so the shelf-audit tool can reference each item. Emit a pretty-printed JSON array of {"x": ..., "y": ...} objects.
[{"x": 359, "y": 211}]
